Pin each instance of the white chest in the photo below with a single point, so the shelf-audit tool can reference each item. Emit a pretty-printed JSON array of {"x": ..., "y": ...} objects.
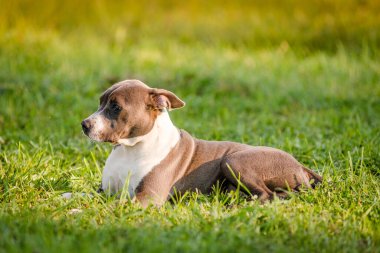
[
  {"x": 131, "y": 161},
  {"x": 125, "y": 169}
]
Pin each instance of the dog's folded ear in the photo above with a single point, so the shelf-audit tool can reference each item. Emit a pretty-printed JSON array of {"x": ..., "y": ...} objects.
[{"x": 160, "y": 99}]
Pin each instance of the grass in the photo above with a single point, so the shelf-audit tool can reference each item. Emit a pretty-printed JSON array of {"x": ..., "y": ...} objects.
[{"x": 312, "y": 92}]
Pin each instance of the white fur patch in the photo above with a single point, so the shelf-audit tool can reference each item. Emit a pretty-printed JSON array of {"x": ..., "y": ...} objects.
[
  {"x": 136, "y": 157},
  {"x": 98, "y": 126},
  {"x": 132, "y": 141}
]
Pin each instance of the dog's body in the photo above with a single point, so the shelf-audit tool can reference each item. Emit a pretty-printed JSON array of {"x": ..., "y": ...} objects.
[{"x": 155, "y": 158}]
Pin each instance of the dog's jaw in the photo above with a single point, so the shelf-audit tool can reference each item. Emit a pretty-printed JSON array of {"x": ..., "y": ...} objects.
[
  {"x": 130, "y": 142},
  {"x": 137, "y": 156},
  {"x": 162, "y": 127}
]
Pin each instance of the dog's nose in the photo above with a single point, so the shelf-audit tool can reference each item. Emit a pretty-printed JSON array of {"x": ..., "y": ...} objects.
[{"x": 86, "y": 126}]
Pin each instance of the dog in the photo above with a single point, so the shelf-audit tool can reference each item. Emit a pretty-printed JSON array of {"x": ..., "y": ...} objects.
[{"x": 156, "y": 159}]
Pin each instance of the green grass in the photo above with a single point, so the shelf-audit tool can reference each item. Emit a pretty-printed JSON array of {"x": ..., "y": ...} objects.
[{"x": 308, "y": 84}]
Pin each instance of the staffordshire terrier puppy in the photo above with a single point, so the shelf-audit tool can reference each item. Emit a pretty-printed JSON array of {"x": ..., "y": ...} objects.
[{"x": 155, "y": 159}]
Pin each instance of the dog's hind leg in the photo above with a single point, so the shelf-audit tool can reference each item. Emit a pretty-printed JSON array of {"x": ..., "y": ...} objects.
[{"x": 254, "y": 185}]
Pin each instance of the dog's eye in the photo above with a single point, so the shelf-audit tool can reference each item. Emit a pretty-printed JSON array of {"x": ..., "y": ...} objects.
[{"x": 115, "y": 107}]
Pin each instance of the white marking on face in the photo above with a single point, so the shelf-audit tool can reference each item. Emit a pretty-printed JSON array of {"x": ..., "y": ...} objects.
[
  {"x": 136, "y": 157},
  {"x": 98, "y": 127}
]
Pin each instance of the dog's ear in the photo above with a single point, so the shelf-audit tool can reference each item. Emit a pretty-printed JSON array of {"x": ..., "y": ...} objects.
[{"x": 160, "y": 99}]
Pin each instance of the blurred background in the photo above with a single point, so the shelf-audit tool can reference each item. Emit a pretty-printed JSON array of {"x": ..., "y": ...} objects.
[{"x": 311, "y": 25}]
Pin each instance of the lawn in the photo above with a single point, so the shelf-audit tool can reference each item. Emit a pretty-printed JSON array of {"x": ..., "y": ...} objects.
[{"x": 300, "y": 76}]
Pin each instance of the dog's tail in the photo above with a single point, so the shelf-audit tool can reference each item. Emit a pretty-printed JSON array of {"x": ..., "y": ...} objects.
[{"x": 312, "y": 176}]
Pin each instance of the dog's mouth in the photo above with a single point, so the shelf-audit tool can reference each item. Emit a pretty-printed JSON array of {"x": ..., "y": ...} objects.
[
  {"x": 93, "y": 136},
  {"x": 100, "y": 138}
]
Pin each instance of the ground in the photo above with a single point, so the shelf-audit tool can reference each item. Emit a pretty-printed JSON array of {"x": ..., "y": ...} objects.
[{"x": 302, "y": 77}]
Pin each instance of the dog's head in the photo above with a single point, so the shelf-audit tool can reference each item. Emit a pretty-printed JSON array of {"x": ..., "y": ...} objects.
[{"x": 127, "y": 110}]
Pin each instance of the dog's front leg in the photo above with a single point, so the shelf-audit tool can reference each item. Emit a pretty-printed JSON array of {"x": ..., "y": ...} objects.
[
  {"x": 146, "y": 199},
  {"x": 152, "y": 194}
]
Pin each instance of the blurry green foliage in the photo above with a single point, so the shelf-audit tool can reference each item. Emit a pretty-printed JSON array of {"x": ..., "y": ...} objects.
[{"x": 312, "y": 24}]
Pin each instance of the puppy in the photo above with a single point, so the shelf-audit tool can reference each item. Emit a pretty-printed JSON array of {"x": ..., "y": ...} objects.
[{"x": 156, "y": 159}]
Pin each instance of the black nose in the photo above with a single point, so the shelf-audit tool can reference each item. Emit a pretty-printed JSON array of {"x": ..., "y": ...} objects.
[{"x": 86, "y": 126}]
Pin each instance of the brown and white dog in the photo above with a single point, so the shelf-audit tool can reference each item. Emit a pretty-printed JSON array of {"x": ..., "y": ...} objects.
[{"x": 156, "y": 158}]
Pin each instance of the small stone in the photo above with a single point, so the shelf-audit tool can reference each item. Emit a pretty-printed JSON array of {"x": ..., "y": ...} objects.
[{"x": 75, "y": 211}]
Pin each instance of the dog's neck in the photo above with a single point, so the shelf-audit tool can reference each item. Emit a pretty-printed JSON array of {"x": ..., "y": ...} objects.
[
  {"x": 162, "y": 136},
  {"x": 136, "y": 157}
]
